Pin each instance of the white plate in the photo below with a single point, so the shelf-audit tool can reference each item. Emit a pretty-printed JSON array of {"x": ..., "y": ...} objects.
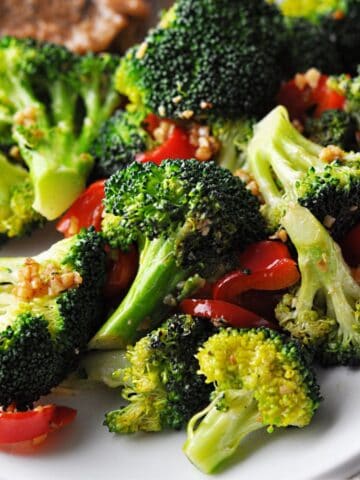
[{"x": 326, "y": 450}]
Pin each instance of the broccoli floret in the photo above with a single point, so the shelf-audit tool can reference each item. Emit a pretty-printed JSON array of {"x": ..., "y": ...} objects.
[
  {"x": 324, "y": 310},
  {"x": 218, "y": 57},
  {"x": 333, "y": 127},
  {"x": 50, "y": 305},
  {"x": 120, "y": 139},
  {"x": 57, "y": 102},
  {"x": 262, "y": 380},
  {"x": 350, "y": 88},
  {"x": 161, "y": 382},
  {"x": 309, "y": 45},
  {"x": 187, "y": 217},
  {"x": 233, "y": 137},
  {"x": 17, "y": 217}
]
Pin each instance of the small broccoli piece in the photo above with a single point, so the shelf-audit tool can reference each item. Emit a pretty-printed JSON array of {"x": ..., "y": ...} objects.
[
  {"x": 187, "y": 218},
  {"x": 57, "y": 102},
  {"x": 233, "y": 137},
  {"x": 161, "y": 381},
  {"x": 46, "y": 321},
  {"x": 17, "y": 217},
  {"x": 309, "y": 46},
  {"x": 324, "y": 310},
  {"x": 261, "y": 379},
  {"x": 333, "y": 127},
  {"x": 350, "y": 88},
  {"x": 120, "y": 139},
  {"x": 218, "y": 57}
]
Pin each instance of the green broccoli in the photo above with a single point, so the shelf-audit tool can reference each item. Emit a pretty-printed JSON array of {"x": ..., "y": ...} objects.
[
  {"x": 57, "y": 102},
  {"x": 350, "y": 88},
  {"x": 187, "y": 217},
  {"x": 50, "y": 305},
  {"x": 261, "y": 379},
  {"x": 324, "y": 310},
  {"x": 218, "y": 57},
  {"x": 17, "y": 217},
  {"x": 120, "y": 139},
  {"x": 333, "y": 127},
  {"x": 161, "y": 381}
]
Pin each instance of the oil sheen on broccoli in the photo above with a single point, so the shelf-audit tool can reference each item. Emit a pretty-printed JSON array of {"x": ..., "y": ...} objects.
[
  {"x": 208, "y": 56},
  {"x": 56, "y": 101},
  {"x": 261, "y": 379},
  {"x": 162, "y": 386},
  {"x": 187, "y": 218},
  {"x": 50, "y": 306},
  {"x": 323, "y": 311}
]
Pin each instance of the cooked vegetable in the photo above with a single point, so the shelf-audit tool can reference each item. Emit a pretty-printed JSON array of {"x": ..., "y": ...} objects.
[
  {"x": 217, "y": 57},
  {"x": 57, "y": 102},
  {"x": 323, "y": 311},
  {"x": 162, "y": 386},
  {"x": 50, "y": 306},
  {"x": 262, "y": 380},
  {"x": 187, "y": 218}
]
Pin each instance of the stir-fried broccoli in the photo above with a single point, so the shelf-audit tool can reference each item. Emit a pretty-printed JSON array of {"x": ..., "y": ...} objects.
[
  {"x": 350, "y": 88},
  {"x": 188, "y": 218},
  {"x": 333, "y": 127},
  {"x": 57, "y": 102},
  {"x": 50, "y": 306},
  {"x": 324, "y": 309},
  {"x": 120, "y": 139},
  {"x": 208, "y": 56},
  {"x": 161, "y": 381},
  {"x": 17, "y": 217},
  {"x": 261, "y": 380}
]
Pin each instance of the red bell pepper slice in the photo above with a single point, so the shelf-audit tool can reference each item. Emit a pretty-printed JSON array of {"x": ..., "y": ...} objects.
[
  {"x": 176, "y": 146},
  {"x": 351, "y": 246},
  {"x": 269, "y": 266},
  {"x": 16, "y": 427},
  {"x": 122, "y": 271},
  {"x": 223, "y": 312},
  {"x": 86, "y": 211},
  {"x": 326, "y": 98}
]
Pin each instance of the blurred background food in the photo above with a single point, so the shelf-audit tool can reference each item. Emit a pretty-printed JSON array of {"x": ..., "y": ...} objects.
[{"x": 80, "y": 25}]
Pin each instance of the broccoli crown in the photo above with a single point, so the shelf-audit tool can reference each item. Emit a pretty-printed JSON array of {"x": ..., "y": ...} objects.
[
  {"x": 333, "y": 127},
  {"x": 121, "y": 137},
  {"x": 216, "y": 56},
  {"x": 350, "y": 88},
  {"x": 163, "y": 387},
  {"x": 261, "y": 379},
  {"x": 333, "y": 195},
  {"x": 17, "y": 217},
  {"x": 56, "y": 102},
  {"x": 309, "y": 45},
  {"x": 45, "y": 329},
  {"x": 207, "y": 208}
]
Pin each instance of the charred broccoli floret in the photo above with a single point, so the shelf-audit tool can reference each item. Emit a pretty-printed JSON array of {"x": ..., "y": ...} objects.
[{"x": 262, "y": 380}]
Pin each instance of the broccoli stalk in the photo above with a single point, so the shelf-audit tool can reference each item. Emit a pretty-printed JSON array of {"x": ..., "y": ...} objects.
[
  {"x": 261, "y": 380},
  {"x": 17, "y": 217},
  {"x": 187, "y": 218},
  {"x": 57, "y": 101},
  {"x": 324, "y": 310}
]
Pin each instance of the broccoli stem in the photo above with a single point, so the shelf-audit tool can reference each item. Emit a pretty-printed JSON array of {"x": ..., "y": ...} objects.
[
  {"x": 215, "y": 433},
  {"x": 157, "y": 277},
  {"x": 320, "y": 262}
]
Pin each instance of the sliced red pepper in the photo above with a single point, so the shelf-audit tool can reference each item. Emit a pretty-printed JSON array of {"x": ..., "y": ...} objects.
[
  {"x": 151, "y": 122},
  {"x": 280, "y": 275},
  {"x": 219, "y": 311},
  {"x": 122, "y": 271},
  {"x": 176, "y": 146},
  {"x": 86, "y": 211},
  {"x": 261, "y": 255},
  {"x": 299, "y": 101},
  {"x": 16, "y": 427},
  {"x": 351, "y": 247}
]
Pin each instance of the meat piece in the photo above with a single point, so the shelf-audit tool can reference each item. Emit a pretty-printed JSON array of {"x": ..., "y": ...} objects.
[{"x": 81, "y": 25}]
